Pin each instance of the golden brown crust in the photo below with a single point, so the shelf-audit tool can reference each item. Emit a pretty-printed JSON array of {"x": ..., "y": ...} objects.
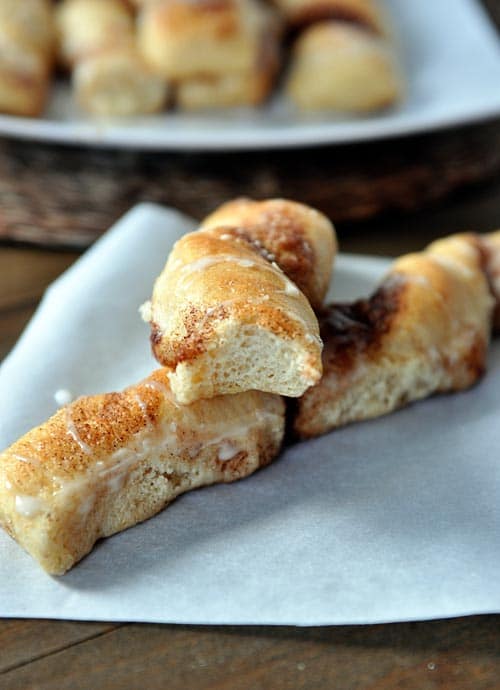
[
  {"x": 342, "y": 67},
  {"x": 207, "y": 38},
  {"x": 425, "y": 330},
  {"x": 364, "y": 13},
  {"x": 226, "y": 319},
  {"x": 301, "y": 240},
  {"x": 107, "y": 462}
]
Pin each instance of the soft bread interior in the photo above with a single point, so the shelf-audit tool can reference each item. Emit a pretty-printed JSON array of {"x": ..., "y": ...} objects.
[
  {"x": 244, "y": 358},
  {"x": 226, "y": 319}
]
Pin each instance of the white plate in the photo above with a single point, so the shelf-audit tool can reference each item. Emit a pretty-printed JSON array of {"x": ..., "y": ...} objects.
[{"x": 451, "y": 56}]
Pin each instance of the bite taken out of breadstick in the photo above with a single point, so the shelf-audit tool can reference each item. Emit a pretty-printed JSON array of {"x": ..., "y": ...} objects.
[
  {"x": 226, "y": 318},
  {"x": 425, "y": 330},
  {"x": 107, "y": 462}
]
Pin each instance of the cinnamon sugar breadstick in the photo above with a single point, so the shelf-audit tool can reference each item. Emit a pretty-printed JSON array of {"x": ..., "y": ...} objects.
[
  {"x": 425, "y": 330},
  {"x": 225, "y": 316},
  {"x": 107, "y": 462}
]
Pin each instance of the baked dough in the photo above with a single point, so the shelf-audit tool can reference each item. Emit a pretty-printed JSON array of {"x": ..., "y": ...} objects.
[
  {"x": 343, "y": 67},
  {"x": 90, "y": 27},
  {"x": 218, "y": 52},
  {"x": 301, "y": 240},
  {"x": 107, "y": 462},
  {"x": 97, "y": 41},
  {"x": 225, "y": 319},
  {"x": 119, "y": 84},
  {"x": 231, "y": 90},
  {"x": 425, "y": 330},
  {"x": 26, "y": 53}
]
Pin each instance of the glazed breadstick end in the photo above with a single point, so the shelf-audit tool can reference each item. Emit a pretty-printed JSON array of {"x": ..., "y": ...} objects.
[{"x": 105, "y": 463}]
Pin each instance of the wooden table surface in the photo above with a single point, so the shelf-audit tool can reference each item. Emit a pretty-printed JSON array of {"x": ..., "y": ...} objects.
[{"x": 37, "y": 654}]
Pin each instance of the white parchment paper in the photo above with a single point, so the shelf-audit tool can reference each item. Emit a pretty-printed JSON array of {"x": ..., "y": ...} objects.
[{"x": 393, "y": 519}]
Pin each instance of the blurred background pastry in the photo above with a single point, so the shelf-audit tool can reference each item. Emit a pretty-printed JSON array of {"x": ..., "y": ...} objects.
[
  {"x": 26, "y": 55},
  {"x": 97, "y": 41},
  {"x": 217, "y": 54}
]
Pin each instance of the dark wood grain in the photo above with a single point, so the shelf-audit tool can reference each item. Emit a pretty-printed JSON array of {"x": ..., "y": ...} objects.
[
  {"x": 22, "y": 641},
  {"x": 455, "y": 655}
]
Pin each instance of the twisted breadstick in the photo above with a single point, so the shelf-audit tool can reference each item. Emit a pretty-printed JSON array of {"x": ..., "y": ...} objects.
[
  {"x": 107, "y": 462},
  {"x": 301, "y": 240},
  {"x": 225, "y": 318},
  {"x": 425, "y": 330}
]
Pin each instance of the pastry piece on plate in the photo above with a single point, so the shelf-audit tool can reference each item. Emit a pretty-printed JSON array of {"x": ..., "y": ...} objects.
[
  {"x": 91, "y": 27},
  {"x": 221, "y": 53},
  {"x": 118, "y": 83},
  {"x": 107, "y": 462},
  {"x": 366, "y": 13},
  {"x": 300, "y": 239},
  {"x": 224, "y": 315},
  {"x": 425, "y": 330},
  {"x": 26, "y": 55},
  {"x": 97, "y": 40},
  {"x": 230, "y": 90},
  {"x": 343, "y": 67}
]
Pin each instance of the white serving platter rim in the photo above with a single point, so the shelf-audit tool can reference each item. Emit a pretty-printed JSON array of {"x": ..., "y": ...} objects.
[{"x": 452, "y": 69}]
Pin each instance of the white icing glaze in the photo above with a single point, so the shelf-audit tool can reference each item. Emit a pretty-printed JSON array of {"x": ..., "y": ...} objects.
[
  {"x": 24, "y": 458},
  {"x": 227, "y": 450},
  {"x": 146, "y": 312},
  {"x": 8, "y": 485},
  {"x": 143, "y": 406},
  {"x": 114, "y": 471},
  {"x": 72, "y": 431},
  {"x": 207, "y": 261},
  {"x": 29, "y": 506},
  {"x": 63, "y": 397},
  {"x": 290, "y": 289},
  {"x": 86, "y": 506}
]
